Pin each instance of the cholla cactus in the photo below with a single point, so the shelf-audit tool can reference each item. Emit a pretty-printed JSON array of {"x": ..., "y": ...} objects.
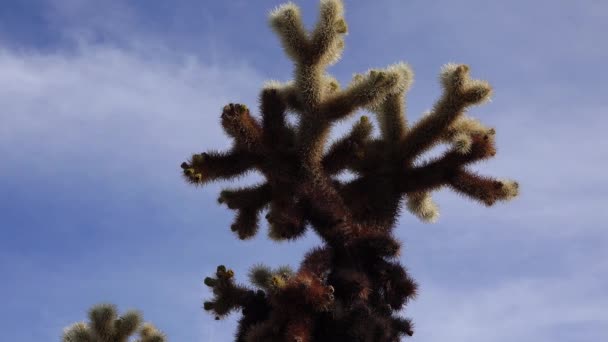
[
  {"x": 351, "y": 288},
  {"x": 105, "y": 326}
]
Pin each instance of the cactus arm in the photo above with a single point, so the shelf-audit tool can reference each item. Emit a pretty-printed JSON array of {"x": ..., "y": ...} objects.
[
  {"x": 149, "y": 333},
  {"x": 286, "y": 21},
  {"x": 348, "y": 150},
  {"x": 127, "y": 325},
  {"x": 273, "y": 106},
  {"x": 242, "y": 127},
  {"x": 459, "y": 93},
  {"x": 327, "y": 38},
  {"x": 471, "y": 141},
  {"x": 448, "y": 170},
  {"x": 246, "y": 197},
  {"x": 227, "y": 295},
  {"x": 78, "y": 332},
  {"x": 102, "y": 318},
  {"x": 248, "y": 202},
  {"x": 286, "y": 218},
  {"x": 391, "y": 111},
  {"x": 367, "y": 90},
  {"x": 485, "y": 190},
  {"x": 211, "y": 166}
]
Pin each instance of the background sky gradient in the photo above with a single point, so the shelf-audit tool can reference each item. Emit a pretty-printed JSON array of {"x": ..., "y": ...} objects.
[{"x": 100, "y": 102}]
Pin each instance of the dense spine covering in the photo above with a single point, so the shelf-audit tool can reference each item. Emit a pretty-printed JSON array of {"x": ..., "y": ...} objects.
[{"x": 352, "y": 287}]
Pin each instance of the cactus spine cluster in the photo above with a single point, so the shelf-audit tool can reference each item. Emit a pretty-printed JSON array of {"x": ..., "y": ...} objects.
[{"x": 352, "y": 287}]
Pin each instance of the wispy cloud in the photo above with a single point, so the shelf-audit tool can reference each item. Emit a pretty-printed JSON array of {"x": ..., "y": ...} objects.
[
  {"x": 101, "y": 125},
  {"x": 568, "y": 307},
  {"x": 112, "y": 104}
]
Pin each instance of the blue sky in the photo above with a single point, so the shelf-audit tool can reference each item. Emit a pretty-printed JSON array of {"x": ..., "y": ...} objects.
[{"x": 101, "y": 102}]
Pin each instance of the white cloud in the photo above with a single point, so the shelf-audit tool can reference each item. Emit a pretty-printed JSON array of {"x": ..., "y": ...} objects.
[
  {"x": 525, "y": 309},
  {"x": 113, "y": 107}
]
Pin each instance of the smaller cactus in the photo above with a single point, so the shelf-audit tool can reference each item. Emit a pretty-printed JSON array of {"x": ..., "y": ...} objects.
[{"x": 105, "y": 326}]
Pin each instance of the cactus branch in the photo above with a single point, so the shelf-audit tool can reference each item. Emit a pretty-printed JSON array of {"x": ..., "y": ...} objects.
[
  {"x": 327, "y": 38},
  {"x": 459, "y": 92},
  {"x": 227, "y": 295},
  {"x": 364, "y": 91},
  {"x": 285, "y": 20},
  {"x": 210, "y": 166},
  {"x": 483, "y": 189},
  {"x": 347, "y": 151},
  {"x": 240, "y": 125}
]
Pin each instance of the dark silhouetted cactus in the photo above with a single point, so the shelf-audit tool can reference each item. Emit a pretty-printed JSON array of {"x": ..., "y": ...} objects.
[
  {"x": 106, "y": 326},
  {"x": 350, "y": 288}
]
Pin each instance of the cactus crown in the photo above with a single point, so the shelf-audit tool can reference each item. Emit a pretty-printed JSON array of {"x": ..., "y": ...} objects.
[{"x": 351, "y": 287}]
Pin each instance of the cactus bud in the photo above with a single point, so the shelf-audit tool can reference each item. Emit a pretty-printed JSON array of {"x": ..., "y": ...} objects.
[
  {"x": 221, "y": 269},
  {"x": 199, "y": 158},
  {"x": 277, "y": 281},
  {"x": 229, "y": 274},
  {"x": 454, "y": 76},
  {"x": 223, "y": 198},
  {"x": 377, "y": 75},
  {"x": 208, "y": 306},
  {"x": 477, "y": 92},
  {"x": 341, "y": 26},
  {"x": 210, "y": 281}
]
